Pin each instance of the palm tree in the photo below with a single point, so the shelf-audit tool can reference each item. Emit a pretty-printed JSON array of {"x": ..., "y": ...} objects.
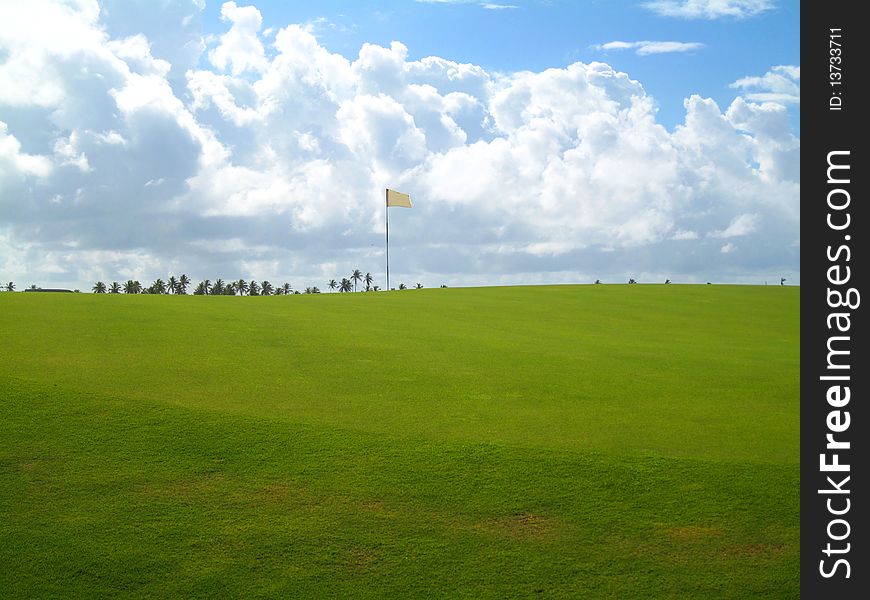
[
  {"x": 242, "y": 287},
  {"x": 172, "y": 285},
  {"x": 99, "y": 288},
  {"x": 217, "y": 288},
  {"x": 376, "y": 288},
  {"x": 183, "y": 282},
  {"x": 115, "y": 288},
  {"x": 368, "y": 279},
  {"x": 332, "y": 284},
  {"x": 286, "y": 288},
  {"x": 206, "y": 287},
  {"x": 230, "y": 289},
  {"x": 266, "y": 288},
  {"x": 132, "y": 287},
  {"x": 158, "y": 287},
  {"x": 10, "y": 287},
  {"x": 402, "y": 286},
  {"x": 419, "y": 286},
  {"x": 356, "y": 276},
  {"x": 345, "y": 285},
  {"x": 199, "y": 290}
]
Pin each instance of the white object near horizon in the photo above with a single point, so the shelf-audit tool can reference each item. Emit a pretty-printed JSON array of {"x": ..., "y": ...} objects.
[{"x": 393, "y": 198}]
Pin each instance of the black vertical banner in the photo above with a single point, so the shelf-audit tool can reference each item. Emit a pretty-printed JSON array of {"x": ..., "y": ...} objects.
[{"x": 834, "y": 265}]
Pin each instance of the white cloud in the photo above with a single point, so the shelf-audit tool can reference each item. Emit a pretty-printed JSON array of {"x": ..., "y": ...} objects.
[
  {"x": 741, "y": 225},
  {"x": 781, "y": 84},
  {"x": 709, "y": 9},
  {"x": 278, "y": 162},
  {"x": 490, "y": 6},
  {"x": 240, "y": 49},
  {"x": 15, "y": 163},
  {"x": 682, "y": 234},
  {"x": 644, "y": 48}
]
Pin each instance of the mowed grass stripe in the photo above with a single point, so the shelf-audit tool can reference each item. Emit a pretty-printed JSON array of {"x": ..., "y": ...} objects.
[
  {"x": 692, "y": 371},
  {"x": 104, "y": 497}
]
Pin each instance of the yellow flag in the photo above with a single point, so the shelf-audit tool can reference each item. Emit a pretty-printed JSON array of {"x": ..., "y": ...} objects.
[{"x": 395, "y": 198}]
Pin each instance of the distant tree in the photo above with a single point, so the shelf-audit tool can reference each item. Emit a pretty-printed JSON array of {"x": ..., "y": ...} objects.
[
  {"x": 418, "y": 286},
  {"x": 631, "y": 280},
  {"x": 667, "y": 281},
  {"x": 376, "y": 288},
  {"x": 99, "y": 288},
  {"x": 10, "y": 287},
  {"x": 158, "y": 287},
  {"x": 346, "y": 285},
  {"x": 183, "y": 283},
  {"x": 782, "y": 280},
  {"x": 402, "y": 286},
  {"x": 368, "y": 280},
  {"x": 132, "y": 287},
  {"x": 199, "y": 290},
  {"x": 597, "y": 281},
  {"x": 286, "y": 288},
  {"x": 253, "y": 288},
  {"x": 332, "y": 284},
  {"x": 242, "y": 287},
  {"x": 115, "y": 288},
  {"x": 172, "y": 285},
  {"x": 356, "y": 276},
  {"x": 266, "y": 289},
  {"x": 217, "y": 288},
  {"x": 444, "y": 285},
  {"x": 206, "y": 287},
  {"x": 230, "y": 289}
]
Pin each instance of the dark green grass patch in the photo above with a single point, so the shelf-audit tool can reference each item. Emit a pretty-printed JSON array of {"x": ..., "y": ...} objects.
[{"x": 596, "y": 442}]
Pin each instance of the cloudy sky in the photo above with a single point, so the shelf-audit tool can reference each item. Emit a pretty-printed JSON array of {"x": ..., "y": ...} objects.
[{"x": 541, "y": 142}]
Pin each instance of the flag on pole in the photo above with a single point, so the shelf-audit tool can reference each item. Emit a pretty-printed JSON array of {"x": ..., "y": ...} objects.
[{"x": 395, "y": 198}]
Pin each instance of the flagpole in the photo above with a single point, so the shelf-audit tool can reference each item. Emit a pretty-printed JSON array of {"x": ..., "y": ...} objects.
[{"x": 387, "y": 211}]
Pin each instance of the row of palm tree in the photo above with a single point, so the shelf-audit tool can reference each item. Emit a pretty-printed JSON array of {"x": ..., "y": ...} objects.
[
  {"x": 350, "y": 284},
  {"x": 204, "y": 288},
  {"x": 179, "y": 285}
]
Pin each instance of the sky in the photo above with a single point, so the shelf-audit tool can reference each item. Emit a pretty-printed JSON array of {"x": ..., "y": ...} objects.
[{"x": 540, "y": 141}]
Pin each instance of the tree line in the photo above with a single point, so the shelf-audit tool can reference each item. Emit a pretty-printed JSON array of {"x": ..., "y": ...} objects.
[{"x": 179, "y": 285}]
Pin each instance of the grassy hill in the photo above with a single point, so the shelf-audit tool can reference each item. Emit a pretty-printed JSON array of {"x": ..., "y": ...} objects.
[{"x": 553, "y": 442}]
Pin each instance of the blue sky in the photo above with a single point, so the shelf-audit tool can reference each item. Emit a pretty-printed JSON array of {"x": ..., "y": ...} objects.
[{"x": 542, "y": 142}]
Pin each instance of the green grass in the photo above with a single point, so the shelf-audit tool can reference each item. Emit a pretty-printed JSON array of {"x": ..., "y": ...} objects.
[{"x": 547, "y": 442}]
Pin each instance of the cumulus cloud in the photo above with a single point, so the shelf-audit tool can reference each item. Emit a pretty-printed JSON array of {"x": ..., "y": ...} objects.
[
  {"x": 644, "y": 48},
  {"x": 709, "y": 9},
  {"x": 272, "y": 164},
  {"x": 240, "y": 49}
]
